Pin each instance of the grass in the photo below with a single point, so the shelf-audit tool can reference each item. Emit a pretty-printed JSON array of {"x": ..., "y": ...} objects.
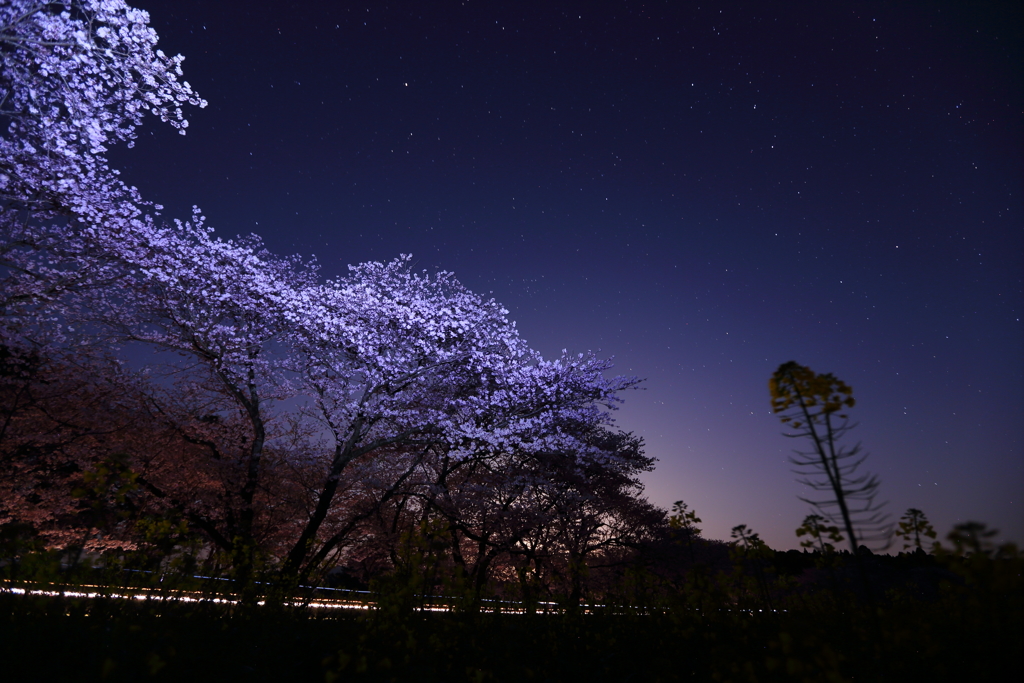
[{"x": 962, "y": 622}]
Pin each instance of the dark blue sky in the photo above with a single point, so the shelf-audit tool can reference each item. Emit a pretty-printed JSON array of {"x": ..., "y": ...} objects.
[{"x": 702, "y": 192}]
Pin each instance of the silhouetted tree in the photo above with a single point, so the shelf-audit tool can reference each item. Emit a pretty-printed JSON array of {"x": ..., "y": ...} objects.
[
  {"x": 683, "y": 521},
  {"x": 972, "y": 538},
  {"x": 817, "y": 529},
  {"x": 913, "y": 525},
  {"x": 751, "y": 554},
  {"x": 810, "y": 405}
]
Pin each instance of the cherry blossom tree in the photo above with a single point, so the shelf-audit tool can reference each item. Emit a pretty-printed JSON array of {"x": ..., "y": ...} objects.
[
  {"x": 385, "y": 361},
  {"x": 394, "y": 357},
  {"x": 387, "y": 357},
  {"x": 541, "y": 520}
]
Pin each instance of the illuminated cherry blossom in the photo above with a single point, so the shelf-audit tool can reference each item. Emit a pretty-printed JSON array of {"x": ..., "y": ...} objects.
[
  {"x": 382, "y": 358},
  {"x": 75, "y": 77}
]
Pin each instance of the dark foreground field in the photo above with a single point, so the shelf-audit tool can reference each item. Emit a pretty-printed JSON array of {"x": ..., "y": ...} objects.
[{"x": 953, "y": 637}]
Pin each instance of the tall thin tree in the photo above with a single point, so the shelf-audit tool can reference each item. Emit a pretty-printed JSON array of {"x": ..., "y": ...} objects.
[{"x": 811, "y": 405}]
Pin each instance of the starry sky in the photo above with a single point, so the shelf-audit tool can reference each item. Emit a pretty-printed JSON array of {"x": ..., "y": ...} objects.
[{"x": 701, "y": 190}]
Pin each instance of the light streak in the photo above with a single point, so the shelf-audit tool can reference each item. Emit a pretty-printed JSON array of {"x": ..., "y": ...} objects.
[
  {"x": 141, "y": 595},
  {"x": 148, "y": 594}
]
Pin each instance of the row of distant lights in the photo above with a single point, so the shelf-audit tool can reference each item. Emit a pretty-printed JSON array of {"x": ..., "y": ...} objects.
[
  {"x": 176, "y": 598},
  {"x": 551, "y": 607},
  {"x": 320, "y": 604}
]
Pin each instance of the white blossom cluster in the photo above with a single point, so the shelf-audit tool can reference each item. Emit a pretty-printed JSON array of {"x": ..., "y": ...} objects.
[{"x": 75, "y": 77}]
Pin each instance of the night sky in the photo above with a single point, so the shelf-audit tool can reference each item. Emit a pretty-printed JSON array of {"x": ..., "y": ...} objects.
[{"x": 703, "y": 192}]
